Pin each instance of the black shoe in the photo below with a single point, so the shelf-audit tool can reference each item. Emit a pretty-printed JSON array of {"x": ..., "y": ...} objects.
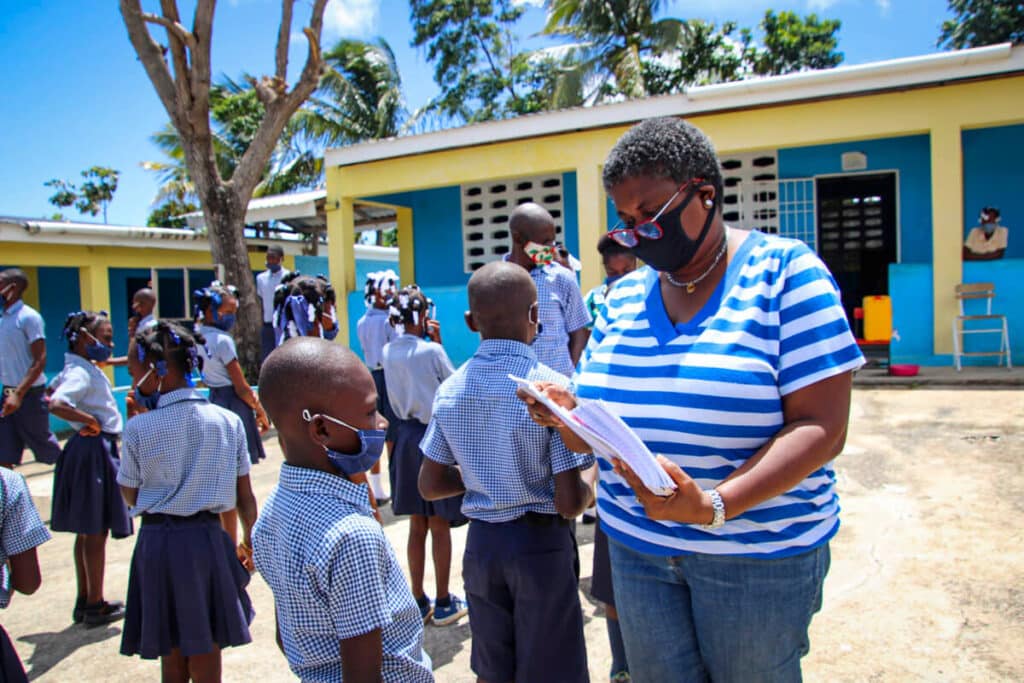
[
  {"x": 78, "y": 613},
  {"x": 589, "y": 519},
  {"x": 381, "y": 502},
  {"x": 103, "y": 613}
]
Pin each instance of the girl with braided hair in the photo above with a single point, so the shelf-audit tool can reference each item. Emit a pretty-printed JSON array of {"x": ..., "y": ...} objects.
[
  {"x": 184, "y": 464},
  {"x": 86, "y": 501},
  {"x": 413, "y": 369},
  {"x": 304, "y": 307},
  {"x": 215, "y": 309}
]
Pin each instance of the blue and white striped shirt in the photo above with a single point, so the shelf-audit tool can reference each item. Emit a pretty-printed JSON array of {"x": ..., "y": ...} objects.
[
  {"x": 184, "y": 457},
  {"x": 334, "y": 576},
  {"x": 508, "y": 461},
  {"x": 21, "y": 529},
  {"x": 708, "y": 393}
]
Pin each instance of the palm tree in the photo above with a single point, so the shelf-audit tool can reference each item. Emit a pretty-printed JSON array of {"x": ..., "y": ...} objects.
[
  {"x": 614, "y": 39},
  {"x": 359, "y": 98}
]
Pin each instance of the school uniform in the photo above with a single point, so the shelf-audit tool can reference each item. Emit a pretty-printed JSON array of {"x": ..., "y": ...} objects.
[
  {"x": 86, "y": 499},
  {"x": 186, "y": 587},
  {"x": 218, "y": 351},
  {"x": 29, "y": 426},
  {"x": 414, "y": 368},
  {"x": 266, "y": 284},
  {"x": 334, "y": 576},
  {"x": 519, "y": 564},
  {"x": 375, "y": 331},
  {"x": 21, "y": 529}
]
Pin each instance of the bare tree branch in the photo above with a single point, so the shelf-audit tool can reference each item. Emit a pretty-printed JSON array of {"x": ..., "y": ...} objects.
[
  {"x": 284, "y": 34},
  {"x": 173, "y": 28},
  {"x": 151, "y": 55},
  {"x": 279, "y": 109},
  {"x": 202, "y": 29},
  {"x": 182, "y": 77}
]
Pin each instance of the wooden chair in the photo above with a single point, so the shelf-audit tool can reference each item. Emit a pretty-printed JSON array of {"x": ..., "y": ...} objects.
[{"x": 979, "y": 291}]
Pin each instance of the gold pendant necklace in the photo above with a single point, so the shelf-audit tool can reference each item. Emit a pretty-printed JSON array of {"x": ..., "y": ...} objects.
[{"x": 691, "y": 285}]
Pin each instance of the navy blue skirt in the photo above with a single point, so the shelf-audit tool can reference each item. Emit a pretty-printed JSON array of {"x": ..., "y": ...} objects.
[
  {"x": 11, "y": 669},
  {"x": 86, "y": 497},
  {"x": 186, "y": 589},
  {"x": 225, "y": 397},
  {"x": 404, "y": 469},
  {"x": 601, "y": 577}
]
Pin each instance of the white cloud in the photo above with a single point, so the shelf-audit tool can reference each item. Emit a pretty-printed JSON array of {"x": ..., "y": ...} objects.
[
  {"x": 820, "y": 5},
  {"x": 351, "y": 17},
  {"x": 883, "y": 5},
  {"x": 528, "y": 3}
]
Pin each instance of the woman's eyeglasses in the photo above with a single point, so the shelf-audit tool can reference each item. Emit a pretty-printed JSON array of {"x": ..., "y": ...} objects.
[{"x": 629, "y": 237}]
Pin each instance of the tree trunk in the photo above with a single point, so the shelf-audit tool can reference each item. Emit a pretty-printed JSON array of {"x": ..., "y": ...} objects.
[{"x": 225, "y": 217}]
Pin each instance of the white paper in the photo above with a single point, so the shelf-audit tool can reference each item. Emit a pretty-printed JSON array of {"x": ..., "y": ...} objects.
[{"x": 608, "y": 435}]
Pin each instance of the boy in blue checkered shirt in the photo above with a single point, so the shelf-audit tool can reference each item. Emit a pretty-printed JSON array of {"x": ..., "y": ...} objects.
[
  {"x": 522, "y": 487},
  {"x": 344, "y": 610}
]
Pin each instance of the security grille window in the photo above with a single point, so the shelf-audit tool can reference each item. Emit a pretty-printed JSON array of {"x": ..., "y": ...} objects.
[
  {"x": 486, "y": 208},
  {"x": 750, "y": 198},
  {"x": 796, "y": 210}
]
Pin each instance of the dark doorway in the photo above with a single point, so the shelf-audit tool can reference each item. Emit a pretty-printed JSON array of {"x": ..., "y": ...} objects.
[{"x": 857, "y": 233}]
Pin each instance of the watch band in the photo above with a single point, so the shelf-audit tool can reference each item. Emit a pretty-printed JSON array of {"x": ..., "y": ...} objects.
[{"x": 719, "y": 508}]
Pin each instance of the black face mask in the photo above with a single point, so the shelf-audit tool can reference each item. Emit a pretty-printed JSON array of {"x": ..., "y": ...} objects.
[{"x": 674, "y": 249}]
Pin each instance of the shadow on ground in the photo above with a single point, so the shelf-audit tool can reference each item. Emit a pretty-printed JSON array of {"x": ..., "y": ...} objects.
[{"x": 51, "y": 648}]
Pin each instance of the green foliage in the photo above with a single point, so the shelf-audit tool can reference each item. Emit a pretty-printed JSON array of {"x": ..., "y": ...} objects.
[
  {"x": 792, "y": 43},
  {"x": 93, "y": 195},
  {"x": 982, "y": 22},
  {"x": 710, "y": 55},
  {"x": 170, "y": 214},
  {"x": 473, "y": 48}
]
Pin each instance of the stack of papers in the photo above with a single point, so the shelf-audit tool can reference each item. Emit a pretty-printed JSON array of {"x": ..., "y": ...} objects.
[{"x": 608, "y": 435}]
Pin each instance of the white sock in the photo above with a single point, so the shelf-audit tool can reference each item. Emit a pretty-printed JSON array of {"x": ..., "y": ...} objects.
[{"x": 377, "y": 485}]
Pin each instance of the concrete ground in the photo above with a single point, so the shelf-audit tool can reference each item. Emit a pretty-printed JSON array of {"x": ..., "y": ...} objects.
[{"x": 925, "y": 582}]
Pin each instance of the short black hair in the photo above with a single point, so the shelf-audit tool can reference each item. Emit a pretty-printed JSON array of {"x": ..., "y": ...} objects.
[
  {"x": 608, "y": 247},
  {"x": 665, "y": 147},
  {"x": 16, "y": 275},
  {"x": 276, "y": 250},
  {"x": 498, "y": 293},
  {"x": 992, "y": 211}
]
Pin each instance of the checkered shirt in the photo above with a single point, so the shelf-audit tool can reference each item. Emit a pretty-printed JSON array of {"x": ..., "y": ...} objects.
[
  {"x": 508, "y": 461},
  {"x": 334, "y": 576},
  {"x": 83, "y": 386},
  {"x": 21, "y": 529},
  {"x": 184, "y": 457}
]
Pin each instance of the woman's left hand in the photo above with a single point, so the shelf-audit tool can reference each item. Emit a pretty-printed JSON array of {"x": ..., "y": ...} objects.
[{"x": 688, "y": 504}]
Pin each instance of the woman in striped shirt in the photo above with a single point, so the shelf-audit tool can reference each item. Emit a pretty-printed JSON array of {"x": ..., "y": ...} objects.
[{"x": 730, "y": 355}]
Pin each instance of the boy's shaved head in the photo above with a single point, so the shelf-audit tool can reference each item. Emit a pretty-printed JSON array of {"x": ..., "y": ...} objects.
[
  {"x": 307, "y": 373},
  {"x": 145, "y": 295},
  {"x": 500, "y": 297},
  {"x": 529, "y": 218}
]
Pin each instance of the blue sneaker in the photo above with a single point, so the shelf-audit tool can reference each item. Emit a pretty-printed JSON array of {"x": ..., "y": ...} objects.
[
  {"x": 450, "y": 613},
  {"x": 426, "y": 608}
]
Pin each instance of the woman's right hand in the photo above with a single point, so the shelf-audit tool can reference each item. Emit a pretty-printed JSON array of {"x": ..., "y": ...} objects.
[{"x": 539, "y": 413}]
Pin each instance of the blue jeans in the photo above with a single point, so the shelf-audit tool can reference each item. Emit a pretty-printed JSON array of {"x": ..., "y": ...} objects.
[{"x": 703, "y": 617}]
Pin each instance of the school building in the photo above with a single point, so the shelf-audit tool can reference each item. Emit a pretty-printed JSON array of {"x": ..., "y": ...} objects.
[
  {"x": 74, "y": 266},
  {"x": 882, "y": 168}
]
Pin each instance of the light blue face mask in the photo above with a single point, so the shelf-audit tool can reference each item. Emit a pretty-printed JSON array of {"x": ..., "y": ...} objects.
[{"x": 371, "y": 442}]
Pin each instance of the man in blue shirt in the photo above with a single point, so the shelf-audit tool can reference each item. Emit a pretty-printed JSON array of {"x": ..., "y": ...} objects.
[
  {"x": 24, "y": 419},
  {"x": 562, "y": 333}
]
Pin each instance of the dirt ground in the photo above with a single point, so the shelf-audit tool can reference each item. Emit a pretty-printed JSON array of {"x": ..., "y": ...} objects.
[{"x": 926, "y": 579}]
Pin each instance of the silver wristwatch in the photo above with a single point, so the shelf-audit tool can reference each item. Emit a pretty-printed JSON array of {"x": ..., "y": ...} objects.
[{"x": 719, "y": 506}]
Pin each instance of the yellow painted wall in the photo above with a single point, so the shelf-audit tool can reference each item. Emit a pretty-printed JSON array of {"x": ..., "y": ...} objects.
[
  {"x": 31, "y": 254},
  {"x": 940, "y": 111}
]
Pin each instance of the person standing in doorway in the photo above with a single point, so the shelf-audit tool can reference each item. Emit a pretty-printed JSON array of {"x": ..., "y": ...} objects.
[
  {"x": 563, "y": 316},
  {"x": 24, "y": 419},
  {"x": 266, "y": 283},
  {"x": 987, "y": 241}
]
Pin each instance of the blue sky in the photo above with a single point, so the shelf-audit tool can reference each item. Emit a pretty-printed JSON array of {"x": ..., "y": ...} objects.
[{"x": 76, "y": 96}]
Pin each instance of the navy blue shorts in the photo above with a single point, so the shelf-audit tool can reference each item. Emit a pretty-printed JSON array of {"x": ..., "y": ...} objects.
[
  {"x": 29, "y": 427},
  {"x": 524, "y": 606}
]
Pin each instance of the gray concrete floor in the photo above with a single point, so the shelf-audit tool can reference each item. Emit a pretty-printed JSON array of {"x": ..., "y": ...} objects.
[{"x": 925, "y": 579}]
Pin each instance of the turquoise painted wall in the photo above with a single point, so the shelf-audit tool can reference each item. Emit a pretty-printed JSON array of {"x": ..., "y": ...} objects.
[
  {"x": 993, "y": 177},
  {"x": 910, "y": 286},
  {"x": 909, "y": 155},
  {"x": 437, "y": 250}
]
